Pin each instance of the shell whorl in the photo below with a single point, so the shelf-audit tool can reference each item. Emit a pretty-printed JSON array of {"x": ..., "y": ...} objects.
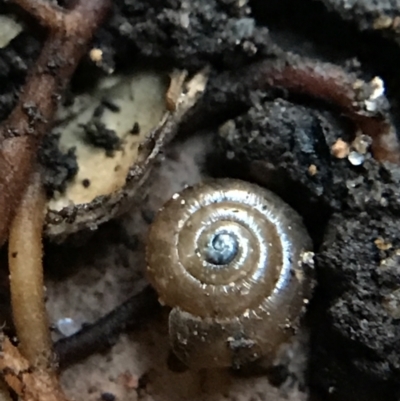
[{"x": 227, "y": 252}]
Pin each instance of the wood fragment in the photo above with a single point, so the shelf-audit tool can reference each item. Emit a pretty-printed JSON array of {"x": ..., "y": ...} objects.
[{"x": 29, "y": 383}]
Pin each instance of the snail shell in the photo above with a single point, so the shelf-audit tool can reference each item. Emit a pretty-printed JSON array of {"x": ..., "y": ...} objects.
[{"x": 230, "y": 258}]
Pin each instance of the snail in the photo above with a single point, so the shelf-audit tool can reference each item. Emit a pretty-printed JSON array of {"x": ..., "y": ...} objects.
[{"x": 234, "y": 262}]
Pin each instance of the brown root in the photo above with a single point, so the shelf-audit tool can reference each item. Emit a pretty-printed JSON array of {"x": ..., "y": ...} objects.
[
  {"x": 27, "y": 299},
  {"x": 21, "y": 133},
  {"x": 362, "y": 102}
]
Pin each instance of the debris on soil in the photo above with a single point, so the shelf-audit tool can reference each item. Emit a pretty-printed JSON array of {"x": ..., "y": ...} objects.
[
  {"x": 58, "y": 167},
  {"x": 98, "y": 135}
]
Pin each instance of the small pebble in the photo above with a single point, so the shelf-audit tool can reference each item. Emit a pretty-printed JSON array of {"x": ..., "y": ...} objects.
[
  {"x": 308, "y": 258},
  {"x": 340, "y": 149},
  {"x": 382, "y": 245},
  {"x": 96, "y": 55},
  {"x": 312, "y": 169},
  {"x": 362, "y": 143},
  {"x": 67, "y": 326},
  {"x": 355, "y": 158}
]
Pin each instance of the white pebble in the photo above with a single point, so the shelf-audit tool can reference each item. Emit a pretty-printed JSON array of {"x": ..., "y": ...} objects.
[
  {"x": 356, "y": 159},
  {"x": 67, "y": 326}
]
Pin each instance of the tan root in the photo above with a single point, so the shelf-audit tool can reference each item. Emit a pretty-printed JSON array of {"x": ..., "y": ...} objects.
[{"x": 26, "y": 277}]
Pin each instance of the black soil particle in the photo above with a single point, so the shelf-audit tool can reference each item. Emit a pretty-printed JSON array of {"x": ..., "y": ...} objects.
[
  {"x": 59, "y": 168},
  {"x": 15, "y": 60},
  {"x": 108, "y": 104},
  {"x": 98, "y": 135},
  {"x": 86, "y": 183},
  {"x": 135, "y": 129}
]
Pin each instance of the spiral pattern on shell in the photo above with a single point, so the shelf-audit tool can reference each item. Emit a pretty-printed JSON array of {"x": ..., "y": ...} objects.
[{"x": 228, "y": 257}]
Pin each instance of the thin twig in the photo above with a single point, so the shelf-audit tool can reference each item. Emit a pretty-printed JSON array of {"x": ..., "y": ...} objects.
[{"x": 104, "y": 333}]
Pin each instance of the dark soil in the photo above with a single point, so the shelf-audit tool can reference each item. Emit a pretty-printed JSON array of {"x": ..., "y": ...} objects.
[
  {"x": 357, "y": 333},
  {"x": 98, "y": 135},
  {"x": 274, "y": 138},
  {"x": 354, "y": 332},
  {"x": 59, "y": 166}
]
